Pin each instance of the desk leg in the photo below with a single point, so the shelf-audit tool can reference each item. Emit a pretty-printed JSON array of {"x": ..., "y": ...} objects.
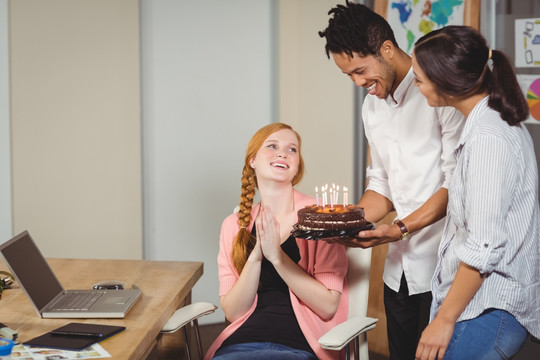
[
  {"x": 173, "y": 346},
  {"x": 154, "y": 353}
]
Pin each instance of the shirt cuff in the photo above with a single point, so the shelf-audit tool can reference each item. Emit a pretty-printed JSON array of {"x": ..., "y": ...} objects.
[{"x": 481, "y": 255}]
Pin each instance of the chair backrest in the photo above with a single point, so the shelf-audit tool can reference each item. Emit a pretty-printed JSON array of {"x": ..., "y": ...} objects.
[{"x": 358, "y": 278}]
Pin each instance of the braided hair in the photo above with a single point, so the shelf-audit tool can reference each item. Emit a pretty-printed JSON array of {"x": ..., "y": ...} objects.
[
  {"x": 244, "y": 241},
  {"x": 355, "y": 28}
]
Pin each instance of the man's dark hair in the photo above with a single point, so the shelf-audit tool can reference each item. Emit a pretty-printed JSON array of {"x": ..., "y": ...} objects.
[{"x": 354, "y": 28}]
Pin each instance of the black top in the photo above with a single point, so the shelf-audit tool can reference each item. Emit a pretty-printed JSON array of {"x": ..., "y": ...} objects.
[{"x": 273, "y": 319}]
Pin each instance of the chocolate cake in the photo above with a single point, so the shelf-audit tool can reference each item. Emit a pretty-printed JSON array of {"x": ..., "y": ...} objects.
[{"x": 336, "y": 217}]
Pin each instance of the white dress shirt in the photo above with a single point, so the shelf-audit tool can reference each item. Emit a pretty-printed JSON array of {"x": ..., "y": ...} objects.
[
  {"x": 411, "y": 146},
  {"x": 493, "y": 220}
]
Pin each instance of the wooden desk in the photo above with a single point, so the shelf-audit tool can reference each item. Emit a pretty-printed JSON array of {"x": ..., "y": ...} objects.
[{"x": 165, "y": 284}]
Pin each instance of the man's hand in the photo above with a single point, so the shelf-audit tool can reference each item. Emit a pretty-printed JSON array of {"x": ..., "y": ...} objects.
[
  {"x": 381, "y": 235},
  {"x": 368, "y": 238}
]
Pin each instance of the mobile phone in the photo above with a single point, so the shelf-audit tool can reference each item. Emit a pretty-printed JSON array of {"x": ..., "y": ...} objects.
[{"x": 109, "y": 285}]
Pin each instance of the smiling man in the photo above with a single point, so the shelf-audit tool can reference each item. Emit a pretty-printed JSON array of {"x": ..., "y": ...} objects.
[{"x": 411, "y": 147}]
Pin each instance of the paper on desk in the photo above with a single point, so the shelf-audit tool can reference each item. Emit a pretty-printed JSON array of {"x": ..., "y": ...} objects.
[{"x": 22, "y": 352}]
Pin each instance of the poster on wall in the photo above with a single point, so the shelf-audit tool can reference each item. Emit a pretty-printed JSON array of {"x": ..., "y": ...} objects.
[
  {"x": 412, "y": 19},
  {"x": 530, "y": 85},
  {"x": 527, "y": 40}
]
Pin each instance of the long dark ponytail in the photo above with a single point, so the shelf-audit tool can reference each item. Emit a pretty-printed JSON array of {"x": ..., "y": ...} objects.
[{"x": 456, "y": 60}]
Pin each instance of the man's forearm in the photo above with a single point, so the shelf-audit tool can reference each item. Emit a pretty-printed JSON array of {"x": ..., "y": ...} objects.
[
  {"x": 430, "y": 212},
  {"x": 376, "y": 206}
]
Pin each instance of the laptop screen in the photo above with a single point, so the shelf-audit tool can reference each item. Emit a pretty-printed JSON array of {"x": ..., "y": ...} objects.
[{"x": 31, "y": 269}]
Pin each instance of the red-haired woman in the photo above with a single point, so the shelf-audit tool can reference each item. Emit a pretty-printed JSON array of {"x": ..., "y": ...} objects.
[{"x": 280, "y": 293}]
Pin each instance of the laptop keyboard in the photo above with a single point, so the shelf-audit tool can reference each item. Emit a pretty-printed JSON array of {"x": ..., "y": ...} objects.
[{"x": 77, "y": 301}]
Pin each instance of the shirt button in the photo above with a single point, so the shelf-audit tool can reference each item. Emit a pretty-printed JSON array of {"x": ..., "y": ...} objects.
[{"x": 486, "y": 245}]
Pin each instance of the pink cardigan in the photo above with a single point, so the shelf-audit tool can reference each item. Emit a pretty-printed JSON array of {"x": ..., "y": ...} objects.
[{"x": 325, "y": 262}]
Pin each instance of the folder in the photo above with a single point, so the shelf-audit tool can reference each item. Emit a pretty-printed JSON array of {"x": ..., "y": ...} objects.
[{"x": 75, "y": 336}]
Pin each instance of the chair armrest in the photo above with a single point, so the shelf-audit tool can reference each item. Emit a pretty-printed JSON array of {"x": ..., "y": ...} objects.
[
  {"x": 340, "y": 335},
  {"x": 186, "y": 314}
]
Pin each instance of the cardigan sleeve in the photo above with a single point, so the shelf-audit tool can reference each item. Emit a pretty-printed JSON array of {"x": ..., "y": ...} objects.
[
  {"x": 227, "y": 273},
  {"x": 325, "y": 262},
  {"x": 330, "y": 266}
]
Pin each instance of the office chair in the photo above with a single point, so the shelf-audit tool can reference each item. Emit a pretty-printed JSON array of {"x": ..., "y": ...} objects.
[
  {"x": 186, "y": 315},
  {"x": 351, "y": 334}
]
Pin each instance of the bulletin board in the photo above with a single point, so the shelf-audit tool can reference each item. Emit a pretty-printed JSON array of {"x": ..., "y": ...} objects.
[
  {"x": 411, "y": 19},
  {"x": 527, "y": 62}
]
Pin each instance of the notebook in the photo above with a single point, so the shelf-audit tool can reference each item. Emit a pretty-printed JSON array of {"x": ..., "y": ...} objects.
[{"x": 49, "y": 298}]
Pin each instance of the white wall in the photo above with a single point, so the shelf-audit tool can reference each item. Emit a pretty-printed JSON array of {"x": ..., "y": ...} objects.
[
  {"x": 207, "y": 87},
  {"x": 75, "y": 126},
  {"x": 5, "y": 151},
  {"x": 314, "y": 95}
]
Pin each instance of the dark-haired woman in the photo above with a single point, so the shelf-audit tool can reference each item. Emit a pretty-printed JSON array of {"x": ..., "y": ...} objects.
[
  {"x": 486, "y": 288},
  {"x": 279, "y": 293}
]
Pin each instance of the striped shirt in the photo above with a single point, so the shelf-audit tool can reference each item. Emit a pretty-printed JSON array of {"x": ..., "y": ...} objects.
[{"x": 493, "y": 219}]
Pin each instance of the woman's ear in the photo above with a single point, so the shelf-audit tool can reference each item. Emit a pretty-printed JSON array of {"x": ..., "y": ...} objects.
[{"x": 252, "y": 163}]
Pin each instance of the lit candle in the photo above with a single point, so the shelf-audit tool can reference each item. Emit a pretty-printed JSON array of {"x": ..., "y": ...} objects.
[
  {"x": 336, "y": 193},
  {"x": 327, "y": 194},
  {"x": 317, "y": 195},
  {"x": 331, "y": 197},
  {"x": 345, "y": 196},
  {"x": 324, "y": 199}
]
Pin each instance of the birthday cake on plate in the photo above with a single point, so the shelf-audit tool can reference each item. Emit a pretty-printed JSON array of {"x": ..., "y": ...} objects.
[{"x": 331, "y": 217}]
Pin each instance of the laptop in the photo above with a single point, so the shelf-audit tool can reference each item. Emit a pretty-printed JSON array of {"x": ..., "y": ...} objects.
[{"x": 49, "y": 298}]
